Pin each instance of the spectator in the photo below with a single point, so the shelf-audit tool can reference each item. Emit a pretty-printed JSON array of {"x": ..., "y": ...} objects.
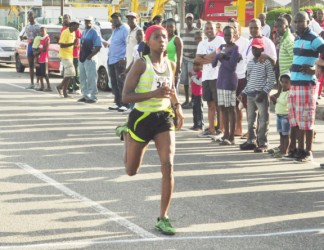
[
  {"x": 199, "y": 24},
  {"x": 174, "y": 48},
  {"x": 60, "y": 21},
  {"x": 226, "y": 85},
  {"x": 131, "y": 39},
  {"x": 42, "y": 55},
  {"x": 303, "y": 91},
  {"x": 260, "y": 81},
  {"x": 90, "y": 46},
  {"x": 320, "y": 18},
  {"x": 313, "y": 25},
  {"x": 219, "y": 30},
  {"x": 205, "y": 53},
  {"x": 189, "y": 54},
  {"x": 67, "y": 42},
  {"x": 243, "y": 45},
  {"x": 117, "y": 62},
  {"x": 157, "y": 20},
  {"x": 197, "y": 103},
  {"x": 288, "y": 17},
  {"x": 281, "y": 109},
  {"x": 266, "y": 30},
  {"x": 32, "y": 30}
]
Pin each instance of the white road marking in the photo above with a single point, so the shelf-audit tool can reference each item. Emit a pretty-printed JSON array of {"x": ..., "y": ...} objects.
[
  {"x": 90, "y": 203},
  {"x": 171, "y": 238}
]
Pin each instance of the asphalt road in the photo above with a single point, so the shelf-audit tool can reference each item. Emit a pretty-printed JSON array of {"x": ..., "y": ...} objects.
[{"x": 63, "y": 184}]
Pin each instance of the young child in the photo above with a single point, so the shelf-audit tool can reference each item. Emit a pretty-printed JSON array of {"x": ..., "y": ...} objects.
[
  {"x": 260, "y": 81},
  {"x": 197, "y": 103},
  {"x": 42, "y": 68},
  {"x": 281, "y": 110},
  {"x": 35, "y": 48},
  {"x": 227, "y": 82}
]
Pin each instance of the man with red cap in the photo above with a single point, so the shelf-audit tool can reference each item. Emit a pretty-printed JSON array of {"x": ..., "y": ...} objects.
[
  {"x": 313, "y": 25},
  {"x": 260, "y": 81}
]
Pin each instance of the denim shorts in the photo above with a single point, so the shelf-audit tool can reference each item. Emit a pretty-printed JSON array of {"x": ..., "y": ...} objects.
[{"x": 283, "y": 126}]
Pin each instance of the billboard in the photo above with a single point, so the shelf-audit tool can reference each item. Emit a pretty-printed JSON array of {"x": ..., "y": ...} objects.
[{"x": 26, "y": 2}]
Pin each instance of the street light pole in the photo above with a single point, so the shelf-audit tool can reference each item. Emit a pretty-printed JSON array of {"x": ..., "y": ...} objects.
[
  {"x": 62, "y": 7},
  {"x": 182, "y": 14},
  {"x": 295, "y": 4}
]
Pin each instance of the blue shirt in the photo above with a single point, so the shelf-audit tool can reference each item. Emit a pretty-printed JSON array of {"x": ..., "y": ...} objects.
[
  {"x": 307, "y": 47},
  {"x": 89, "y": 40},
  {"x": 117, "y": 48}
]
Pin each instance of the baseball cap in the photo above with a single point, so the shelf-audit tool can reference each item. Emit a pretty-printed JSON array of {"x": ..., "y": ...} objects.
[
  {"x": 131, "y": 14},
  {"x": 309, "y": 11},
  {"x": 190, "y": 15},
  {"x": 257, "y": 43},
  {"x": 88, "y": 18},
  {"x": 116, "y": 14}
]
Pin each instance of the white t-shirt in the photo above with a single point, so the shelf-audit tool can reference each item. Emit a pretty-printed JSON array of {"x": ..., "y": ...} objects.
[
  {"x": 269, "y": 49},
  {"x": 205, "y": 47},
  {"x": 136, "y": 55},
  {"x": 131, "y": 42},
  {"x": 266, "y": 30},
  {"x": 243, "y": 45},
  {"x": 315, "y": 27}
]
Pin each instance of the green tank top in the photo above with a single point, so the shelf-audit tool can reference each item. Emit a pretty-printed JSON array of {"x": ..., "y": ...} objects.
[
  {"x": 172, "y": 50},
  {"x": 150, "y": 80}
]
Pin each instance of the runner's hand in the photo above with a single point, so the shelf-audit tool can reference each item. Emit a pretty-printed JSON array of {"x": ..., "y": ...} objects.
[
  {"x": 180, "y": 117},
  {"x": 163, "y": 92}
]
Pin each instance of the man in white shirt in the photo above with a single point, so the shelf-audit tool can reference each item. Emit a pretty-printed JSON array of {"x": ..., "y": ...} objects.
[
  {"x": 205, "y": 52},
  {"x": 266, "y": 30},
  {"x": 131, "y": 39},
  {"x": 269, "y": 48},
  {"x": 313, "y": 25}
]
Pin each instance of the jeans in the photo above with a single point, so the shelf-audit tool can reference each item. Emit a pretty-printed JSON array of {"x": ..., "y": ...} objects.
[
  {"x": 88, "y": 79},
  {"x": 117, "y": 82},
  {"x": 197, "y": 110},
  {"x": 261, "y": 110}
]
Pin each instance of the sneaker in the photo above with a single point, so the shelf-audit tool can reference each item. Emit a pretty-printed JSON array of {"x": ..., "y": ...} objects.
[
  {"x": 186, "y": 105},
  {"x": 120, "y": 130},
  {"x": 207, "y": 134},
  {"x": 261, "y": 149},
  {"x": 91, "y": 101},
  {"x": 122, "y": 109},
  {"x": 290, "y": 156},
  {"x": 277, "y": 155},
  {"x": 31, "y": 86},
  {"x": 225, "y": 142},
  {"x": 114, "y": 107},
  {"x": 248, "y": 146},
  {"x": 83, "y": 99},
  {"x": 164, "y": 226},
  {"x": 274, "y": 150},
  {"x": 306, "y": 157}
]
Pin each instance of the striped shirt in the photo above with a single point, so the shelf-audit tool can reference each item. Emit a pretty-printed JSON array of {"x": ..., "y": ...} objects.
[
  {"x": 286, "y": 53},
  {"x": 260, "y": 77},
  {"x": 189, "y": 45},
  {"x": 307, "y": 47}
]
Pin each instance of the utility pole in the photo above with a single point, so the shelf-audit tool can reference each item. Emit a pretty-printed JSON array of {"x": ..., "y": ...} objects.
[
  {"x": 182, "y": 14},
  {"x": 62, "y": 7},
  {"x": 295, "y": 5}
]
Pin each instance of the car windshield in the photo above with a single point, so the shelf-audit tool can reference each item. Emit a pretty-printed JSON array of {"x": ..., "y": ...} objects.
[
  {"x": 8, "y": 34},
  {"x": 54, "y": 35},
  {"x": 106, "y": 33}
]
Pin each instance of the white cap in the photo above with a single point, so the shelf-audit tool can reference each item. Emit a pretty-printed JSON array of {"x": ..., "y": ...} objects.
[
  {"x": 88, "y": 18},
  {"x": 132, "y": 14},
  {"x": 190, "y": 15},
  {"x": 75, "y": 21}
]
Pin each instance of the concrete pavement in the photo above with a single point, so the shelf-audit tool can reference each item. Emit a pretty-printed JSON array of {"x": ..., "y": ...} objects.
[{"x": 63, "y": 184}]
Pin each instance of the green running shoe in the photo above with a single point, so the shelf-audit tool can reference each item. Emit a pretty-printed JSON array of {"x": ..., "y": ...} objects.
[
  {"x": 120, "y": 130},
  {"x": 164, "y": 226}
]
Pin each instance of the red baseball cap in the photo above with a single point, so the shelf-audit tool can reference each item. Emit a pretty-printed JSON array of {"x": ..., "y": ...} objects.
[
  {"x": 309, "y": 11},
  {"x": 258, "y": 43}
]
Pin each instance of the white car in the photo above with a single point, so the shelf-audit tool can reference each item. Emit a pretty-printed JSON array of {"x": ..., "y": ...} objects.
[
  {"x": 8, "y": 39},
  {"x": 103, "y": 76}
]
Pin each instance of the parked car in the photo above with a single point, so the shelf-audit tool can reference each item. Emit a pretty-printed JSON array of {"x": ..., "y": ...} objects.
[
  {"x": 8, "y": 38},
  {"x": 53, "y": 52}
]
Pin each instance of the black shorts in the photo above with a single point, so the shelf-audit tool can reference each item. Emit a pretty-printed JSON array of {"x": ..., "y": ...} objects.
[
  {"x": 42, "y": 69},
  {"x": 209, "y": 90},
  {"x": 144, "y": 126}
]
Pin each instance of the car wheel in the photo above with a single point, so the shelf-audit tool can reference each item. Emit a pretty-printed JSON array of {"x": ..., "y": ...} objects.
[
  {"x": 103, "y": 78},
  {"x": 19, "y": 67}
]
